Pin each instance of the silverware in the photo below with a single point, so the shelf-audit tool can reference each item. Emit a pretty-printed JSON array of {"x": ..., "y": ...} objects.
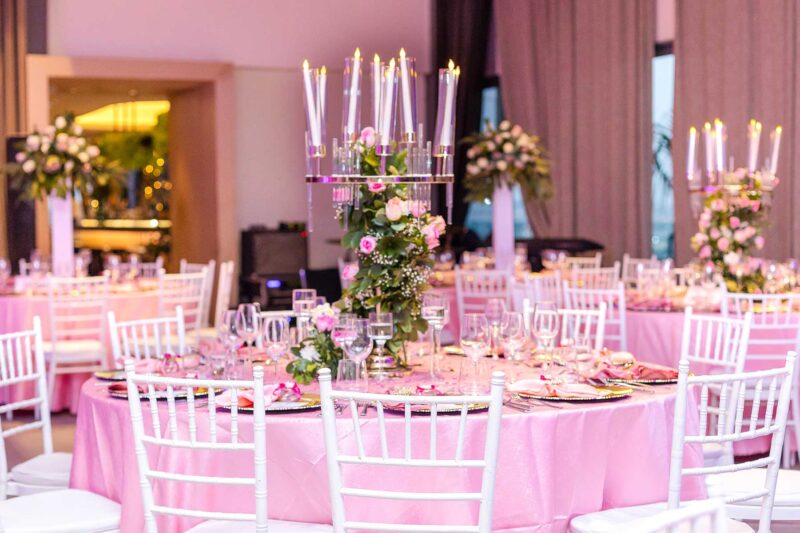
[
  {"x": 364, "y": 409},
  {"x": 536, "y": 401},
  {"x": 518, "y": 407}
]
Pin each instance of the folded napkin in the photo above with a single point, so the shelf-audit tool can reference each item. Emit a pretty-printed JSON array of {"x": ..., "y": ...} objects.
[
  {"x": 282, "y": 392},
  {"x": 541, "y": 387},
  {"x": 638, "y": 371},
  {"x": 148, "y": 366}
]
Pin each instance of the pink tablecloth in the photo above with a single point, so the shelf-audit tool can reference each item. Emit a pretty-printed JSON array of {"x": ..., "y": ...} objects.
[
  {"x": 553, "y": 463},
  {"x": 17, "y": 312}
]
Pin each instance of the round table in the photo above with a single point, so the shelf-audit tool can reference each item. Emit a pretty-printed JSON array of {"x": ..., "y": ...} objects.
[
  {"x": 553, "y": 463},
  {"x": 17, "y": 312}
]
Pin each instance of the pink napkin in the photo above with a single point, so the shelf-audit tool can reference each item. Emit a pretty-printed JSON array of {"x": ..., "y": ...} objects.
[
  {"x": 639, "y": 370},
  {"x": 148, "y": 366},
  {"x": 282, "y": 392},
  {"x": 541, "y": 387}
]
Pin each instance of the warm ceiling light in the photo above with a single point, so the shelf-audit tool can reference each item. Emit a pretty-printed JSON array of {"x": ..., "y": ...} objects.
[{"x": 126, "y": 116}]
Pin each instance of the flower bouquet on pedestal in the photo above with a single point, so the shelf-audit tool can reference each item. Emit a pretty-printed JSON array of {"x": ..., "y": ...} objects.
[{"x": 318, "y": 349}]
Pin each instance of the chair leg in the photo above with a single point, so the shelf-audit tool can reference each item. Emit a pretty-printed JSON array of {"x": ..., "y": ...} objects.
[
  {"x": 795, "y": 406},
  {"x": 51, "y": 379}
]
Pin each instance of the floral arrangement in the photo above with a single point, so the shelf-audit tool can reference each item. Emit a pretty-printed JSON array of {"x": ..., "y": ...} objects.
[
  {"x": 58, "y": 159},
  {"x": 506, "y": 155},
  {"x": 393, "y": 238},
  {"x": 730, "y": 228}
]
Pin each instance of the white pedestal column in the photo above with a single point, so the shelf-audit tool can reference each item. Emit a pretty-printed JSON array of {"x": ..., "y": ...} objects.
[
  {"x": 62, "y": 241},
  {"x": 503, "y": 227}
]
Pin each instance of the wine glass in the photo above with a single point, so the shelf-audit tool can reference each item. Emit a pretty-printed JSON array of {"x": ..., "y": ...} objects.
[
  {"x": 381, "y": 329},
  {"x": 358, "y": 345},
  {"x": 436, "y": 311},
  {"x": 248, "y": 323},
  {"x": 495, "y": 307},
  {"x": 276, "y": 339},
  {"x": 544, "y": 326},
  {"x": 343, "y": 330},
  {"x": 474, "y": 341},
  {"x": 512, "y": 334},
  {"x": 228, "y": 337},
  {"x": 303, "y": 302}
]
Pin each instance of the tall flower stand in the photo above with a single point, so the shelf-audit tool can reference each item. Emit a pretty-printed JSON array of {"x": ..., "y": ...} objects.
[
  {"x": 503, "y": 227},
  {"x": 62, "y": 241}
]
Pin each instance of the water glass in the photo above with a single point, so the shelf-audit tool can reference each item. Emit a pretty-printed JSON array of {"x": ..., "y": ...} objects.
[
  {"x": 436, "y": 311},
  {"x": 381, "y": 329},
  {"x": 343, "y": 331},
  {"x": 495, "y": 307},
  {"x": 473, "y": 377},
  {"x": 248, "y": 323},
  {"x": 512, "y": 335},
  {"x": 545, "y": 326},
  {"x": 303, "y": 302},
  {"x": 276, "y": 339}
]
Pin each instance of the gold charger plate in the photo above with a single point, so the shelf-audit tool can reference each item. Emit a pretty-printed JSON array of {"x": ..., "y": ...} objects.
[
  {"x": 420, "y": 409},
  {"x": 307, "y": 402},
  {"x": 672, "y": 381},
  {"x": 110, "y": 375},
  {"x": 613, "y": 392},
  {"x": 180, "y": 394}
]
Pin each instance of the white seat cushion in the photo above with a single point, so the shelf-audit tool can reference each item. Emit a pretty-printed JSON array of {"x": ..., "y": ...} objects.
[
  {"x": 731, "y": 484},
  {"x": 51, "y": 469},
  {"x": 611, "y": 520},
  {"x": 77, "y": 351},
  {"x": 62, "y": 511},
  {"x": 274, "y": 526}
]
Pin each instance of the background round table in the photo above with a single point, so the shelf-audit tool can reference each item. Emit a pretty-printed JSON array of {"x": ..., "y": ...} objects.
[
  {"x": 17, "y": 312},
  {"x": 553, "y": 463}
]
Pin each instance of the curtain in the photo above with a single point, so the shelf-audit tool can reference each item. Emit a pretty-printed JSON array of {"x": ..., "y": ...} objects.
[
  {"x": 737, "y": 60},
  {"x": 462, "y": 34},
  {"x": 578, "y": 74},
  {"x": 12, "y": 89}
]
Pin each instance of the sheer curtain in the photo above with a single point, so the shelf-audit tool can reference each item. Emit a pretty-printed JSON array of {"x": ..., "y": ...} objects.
[
  {"x": 578, "y": 74},
  {"x": 12, "y": 89},
  {"x": 737, "y": 60}
]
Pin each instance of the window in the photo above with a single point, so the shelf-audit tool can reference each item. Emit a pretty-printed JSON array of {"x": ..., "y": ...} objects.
[{"x": 663, "y": 201}]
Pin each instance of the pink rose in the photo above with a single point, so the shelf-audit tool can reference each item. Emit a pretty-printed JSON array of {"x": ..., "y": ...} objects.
[
  {"x": 349, "y": 271},
  {"x": 417, "y": 208},
  {"x": 440, "y": 224},
  {"x": 396, "y": 208},
  {"x": 723, "y": 244},
  {"x": 740, "y": 236},
  {"x": 755, "y": 206},
  {"x": 376, "y": 187},
  {"x": 705, "y": 252},
  {"x": 734, "y": 222},
  {"x": 759, "y": 242},
  {"x": 431, "y": 233},
  {"x": 367, "y": 244},
  {"x": 714, "y": 233},
  {"x": 717, "y": 205},
  {"x": 368, "y": 136},
  {"x": 324, "y": 322}
]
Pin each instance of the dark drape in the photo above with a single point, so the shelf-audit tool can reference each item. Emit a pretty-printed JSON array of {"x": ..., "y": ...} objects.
[
  {"x": 737, "y": 60},
  {"x": 462, "y": 34}
]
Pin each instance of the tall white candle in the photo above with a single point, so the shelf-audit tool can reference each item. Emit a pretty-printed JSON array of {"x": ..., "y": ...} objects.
[
  {"x": 405, "y": 85},
  {"x": 690, "y": 158},
  {"x": 753, "y": 137},
  {"x": 311, "y": 107},
  {"x": 719, "y": 149},
  {"x": 386, "y": 102},
  {"x": 376, "y": 91},
  {"x": 323, "y": 77},
  {"x": 448, "y": 105},
  {"x": 355, "y": 84},
  {"x": 708, "y": 136},
  {"x": 776, "y": 146}
]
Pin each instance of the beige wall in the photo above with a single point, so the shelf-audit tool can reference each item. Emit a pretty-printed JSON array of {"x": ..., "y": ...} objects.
[{"x": 267, "y": 41}]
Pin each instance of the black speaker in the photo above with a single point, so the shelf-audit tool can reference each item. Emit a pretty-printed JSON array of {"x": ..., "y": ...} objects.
[
  {"x": 20, "y": 214},
  {"x": 273, "y": 252}
]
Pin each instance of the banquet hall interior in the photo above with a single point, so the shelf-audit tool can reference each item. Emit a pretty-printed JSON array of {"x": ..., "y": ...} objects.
[{"x": 420, "y": 265}]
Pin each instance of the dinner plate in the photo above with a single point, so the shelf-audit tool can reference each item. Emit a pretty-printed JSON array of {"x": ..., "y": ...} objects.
[
  {"x": 180, "y": 394},
  {"x": 306, "y": 402},
  {"x": 671, "y": 381},
  {"x": 613, "y": 392},
  {"x": 110, "y": 375},
  {"x": 442, "y": 408}
]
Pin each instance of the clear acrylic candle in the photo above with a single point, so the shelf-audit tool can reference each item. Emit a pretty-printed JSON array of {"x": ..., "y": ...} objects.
[
  {"x": 351, "y": 105},
  {"x": 388, "y": 106},
  {"x": 446, "y": 110},
  {"x": 408, "y": 96}
]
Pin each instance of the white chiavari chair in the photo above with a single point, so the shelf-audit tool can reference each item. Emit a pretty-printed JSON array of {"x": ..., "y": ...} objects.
[
  {"x": 223, "y": 299},
  {"x": 616, "y": 328},
  {"x": 187, "y": 291},
  {"x": 194, "y": 438},
  {"x": 681, "y": 276},
  {"x": 703, "y": 516},
  {"x": 148, "y": 270},
  {"x": 77, "y": 315},
  {"x": 631, "y": 266},
  {"x": 148, "y": 338},
  {"x": 193, "y": 268},
  {"x": 770, "y": 389},
  {"x": 715, "y": 344},
  {"x": 582, "y": 261},
  {"x": 775, "y": 329},
  {"x": 544, "y": 288},
  {"x": 22, "y": 361},
  {"x": 25, "y": 267},
  {"x": 595, "y": 278},
  {"x": 338, "y": 460},
  {"x": 475, "y": 287}
]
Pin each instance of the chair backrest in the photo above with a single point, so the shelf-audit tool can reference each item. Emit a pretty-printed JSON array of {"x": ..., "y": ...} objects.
[
  {"x": 589, "y": 323},
  {"x": 267, "y": 315},
  {"x": 22, "y": 361},
  {"x": 338, "y": 459},
  {"x": 147, "y": 338},
  {"x": 187, "y": 291},
  {"x": 544, "y": 288},
  {"x": 775, "y": 328},
  {"x": 475, "y": 287},
  {"x": 681, "y": 276},
  {"x": 224, "y": 290},
  {"x": 25, "y": 267},
  {"x": 595, "y": 278},
  {"x": 143, "y": 270},
  {"x": 616, "y": 330},
  {"x": 632, "y": 265},
  {"x": 770, "y": 394},
  {"x": 77, "y": 308},
  {"x": 703, "y": 516},
  {"x": 584, "y": 261},
  {"x": 192, "y": 439},
  {"x": 715, "y": 344},
  {"x": 210, "y": 268}
]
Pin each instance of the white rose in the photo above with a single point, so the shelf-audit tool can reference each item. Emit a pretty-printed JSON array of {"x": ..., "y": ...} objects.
[
  {"x": 33, "y": 142},
  {"x": 524, "y": 158},
  {"x": 50, "y": 131},
  {"x": 731, "y": 259},
  {"x": 471, "y": 152},
  {"x": 69, "y": 165},
  {"x": 483, "y": 162},
  {"x": 45, "y": 147},
  {"x": 508, "y": 148},
  {"x": 501, "y": 165},
  {"x": 490, "y": 146},
  {"x": 28, "y": 166},
  {"x": 81, "y": 142},
  {"x": 523, "y": 140},
  {"x": 77, "y": 129},
  {"x": 471, "y": 169},
  {"x": 83, "y": 157},
  {"x": 61, "y": 122},
  {"x": 93, "y": 151},
  {"x": 516, "y": 130},
  {"x": 309, "y": 353},
  {"x": 505, "y": 125},
  {"x": 73, "y": 148}
]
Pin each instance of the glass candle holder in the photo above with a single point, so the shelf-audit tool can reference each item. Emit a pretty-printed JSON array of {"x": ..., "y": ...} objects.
[
  {"x": 408, "y": 97},
  {"x": 388, "y": 106},
  {"x": 314, "y": 85},
  {"x": 376, "y": 70},
  {"x": 351, "y": 105},
  {"x": 444, "y": 138}
]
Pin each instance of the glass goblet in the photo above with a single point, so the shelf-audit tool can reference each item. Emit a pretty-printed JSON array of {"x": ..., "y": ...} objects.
[
  {"x": 495, "y": 307},
  {"x": 276, "y": 339}
]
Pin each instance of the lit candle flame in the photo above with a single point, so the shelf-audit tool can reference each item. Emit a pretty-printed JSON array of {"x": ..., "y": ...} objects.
[
  {"x": 305, "y": 64},
  {"x": 402, "y": 53},
  {"x": 451, "y": 65},
  {"x": 376, "y": 59},
  {"x": 357, "y": 54},
  {"x": 323, "y": 71}
]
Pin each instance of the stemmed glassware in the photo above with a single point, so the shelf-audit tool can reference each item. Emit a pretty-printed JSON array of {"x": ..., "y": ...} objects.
[
  {"x": 495, "y": 307},
  {"x": 276, "y": 339},
  {"x": 358, "y": 343},
  {"x": 303, "y": 302},
  {"x": 436, "y": 311},
  {"x": 545, "y": 326},
  {"x": 475, "y": 341},
  {"x": 381, "y": 329},
  {"x": 512, "y": 335},
  {"x": 229, "y": 338},
  {"x": 248, "y": 323}
]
